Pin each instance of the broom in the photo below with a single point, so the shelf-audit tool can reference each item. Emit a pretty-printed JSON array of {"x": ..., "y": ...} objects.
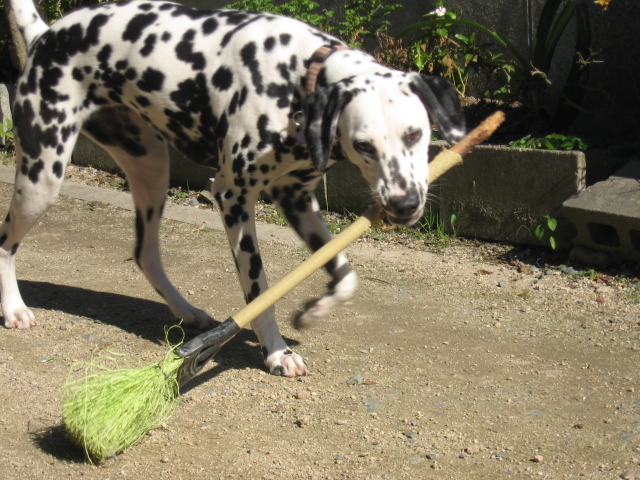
[{"x": 109, "y": 409}]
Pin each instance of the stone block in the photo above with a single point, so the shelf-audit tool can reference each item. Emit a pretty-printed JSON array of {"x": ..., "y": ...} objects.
[{"x": 607, "y": 215}]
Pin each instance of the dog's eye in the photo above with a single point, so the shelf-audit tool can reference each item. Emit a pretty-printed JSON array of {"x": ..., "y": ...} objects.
[
  {"x": 365, "y": 148},
  {"x": 412, "y": 137}
]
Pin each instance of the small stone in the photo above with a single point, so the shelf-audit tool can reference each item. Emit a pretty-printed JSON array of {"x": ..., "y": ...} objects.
[
  {"x": 472, "y": 450},
  {"x": 537, "y": 459},
  {"x": 502, "y": 284},
  {"x": 431, "y": 456},
  {"x": 355, "y": 380},
  {"x": 410, "y": 434},
  {"x": 194, "y": 203},
  {"x": 301, "y": 395},
  {"x": 569, "y": 271},
  {"x": 630, "y": 475},
  {"x": 164, "y": 460}
]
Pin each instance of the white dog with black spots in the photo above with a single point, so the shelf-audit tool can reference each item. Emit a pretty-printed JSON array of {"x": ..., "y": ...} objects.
[{"x": 268, "y": 102}]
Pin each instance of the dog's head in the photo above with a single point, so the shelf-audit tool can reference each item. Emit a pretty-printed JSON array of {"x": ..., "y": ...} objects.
[{"x": 383, "y": 124}]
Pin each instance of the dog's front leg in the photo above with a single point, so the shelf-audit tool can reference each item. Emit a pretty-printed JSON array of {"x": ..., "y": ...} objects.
[
  {"x": 304, "y": 214},
  {"x": 239, "y": 221}
]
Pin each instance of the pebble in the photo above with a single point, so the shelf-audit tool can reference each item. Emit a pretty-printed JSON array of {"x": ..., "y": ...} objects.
[
  {"x": 431, "y": 456},
  {"x": 537, "y": 459},
  {"x": 630, "y": 475},
  {"x": 410, "y": 434},
  {"x": 473, "y": 449},
  {"x": 502, "y": 284},
  {"x": 355, "y": 380},
  {"x": 194, "y": 203},
  {"x": 301, "y": 395},
  {"x": 569, "y": 271}
]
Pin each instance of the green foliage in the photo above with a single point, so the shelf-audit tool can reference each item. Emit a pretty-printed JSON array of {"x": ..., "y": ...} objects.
[
  {"x": 551, "y": 142},
  {"x": 444, "y": 50},
  {"x": 363, "y": 18},
  {"x": 304, "y": 10},
  {"x": 6, "y": 132},
  {"x": 556, "y": 232},
  {"x": 554, "y": 18}
]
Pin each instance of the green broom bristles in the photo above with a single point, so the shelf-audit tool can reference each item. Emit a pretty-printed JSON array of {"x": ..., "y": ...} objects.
[{"x": 109, "y": 409}]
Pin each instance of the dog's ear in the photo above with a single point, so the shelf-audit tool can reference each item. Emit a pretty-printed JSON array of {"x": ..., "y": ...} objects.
[
  {"x": 442, "y": 103},
  {"x": 322, "y": 109}
]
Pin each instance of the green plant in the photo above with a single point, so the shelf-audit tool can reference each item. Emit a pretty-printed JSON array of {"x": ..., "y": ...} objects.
[
  {"x": 550, "y": 142},
  {"x": 6, "y": 132},
  {"x": 556, "y": 232},
  {"x": 363, "y": 18},
  {"x": 546, "y": 231},
  {"x": 304, "y": 10},
  {"x": 554, "y": 18},
  {"x": 444, "y": 51}
]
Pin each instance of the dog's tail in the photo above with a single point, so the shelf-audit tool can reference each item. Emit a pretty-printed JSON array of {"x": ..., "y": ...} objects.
[{"x": 28, "y": 19}]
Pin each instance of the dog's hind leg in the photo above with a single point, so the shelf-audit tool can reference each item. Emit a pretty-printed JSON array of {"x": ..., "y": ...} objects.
[
  {"x": 42, "y": 153},
  {"x": 144, "y": 158}
]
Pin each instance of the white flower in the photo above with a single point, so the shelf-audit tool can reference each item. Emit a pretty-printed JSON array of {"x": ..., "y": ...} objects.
[{"x": 440, "y": 11}]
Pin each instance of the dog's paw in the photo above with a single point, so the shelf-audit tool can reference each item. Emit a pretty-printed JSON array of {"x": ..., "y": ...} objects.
[
  {"x": 21, "y": 318},
  {"x": 320, "y": 308},
  {"x": 286, "y": 363}
]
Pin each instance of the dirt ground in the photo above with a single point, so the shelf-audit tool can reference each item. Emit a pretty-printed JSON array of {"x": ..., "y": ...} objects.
[{"x": 470, "y": 368}]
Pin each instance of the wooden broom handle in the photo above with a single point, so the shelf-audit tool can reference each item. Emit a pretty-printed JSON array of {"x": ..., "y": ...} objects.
[{"x": 321, "y": 257}]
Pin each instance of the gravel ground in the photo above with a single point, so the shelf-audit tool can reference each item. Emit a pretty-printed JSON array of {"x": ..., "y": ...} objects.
[{"x": 471, "y": 362}]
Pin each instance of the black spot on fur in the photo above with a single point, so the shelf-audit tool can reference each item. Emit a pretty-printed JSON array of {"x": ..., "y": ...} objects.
[
  {"x": 3, "y": 239},
  {"x": 223, "y": 78},
  {"x": 14, "y": 249},
  {"x": 285, "y": 38},
  {"x": 248, "y": 55},
  {"x": 149, "y": 44},
  {"x": 185, "y": 52},
  {"x": 269, "y": 43},
  {"x": 25, "y": 123},
  {"x": 191, "y": 13},
  {"x": 246, "y": 244},
  {"x": 209, "y": 26},
  {"x": 136, "y": 26},
  {"x": 34, "y": 171},
  {"x": 58, "y": 169},
  {"x": 255, "y": 266},
  {"x": 151, "y": 80}
]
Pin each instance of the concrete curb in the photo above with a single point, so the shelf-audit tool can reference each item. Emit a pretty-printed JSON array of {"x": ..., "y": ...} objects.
[{"x": 191, "y": 215}]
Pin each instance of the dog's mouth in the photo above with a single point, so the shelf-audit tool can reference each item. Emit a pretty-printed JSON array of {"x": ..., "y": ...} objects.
[
  {"x": 403, "y": 210},
  {"x": 403, "y": 221}
]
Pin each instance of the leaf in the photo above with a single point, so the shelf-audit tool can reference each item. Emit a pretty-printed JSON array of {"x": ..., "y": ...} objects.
[
  {"x": 484, "y": 272},
  {"x": 522, "y": 292},
  {"x": 552, "y": 224}
]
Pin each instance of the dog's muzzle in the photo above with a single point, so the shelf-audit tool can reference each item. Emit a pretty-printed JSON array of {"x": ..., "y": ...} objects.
[{"x": 404, "y": 210}]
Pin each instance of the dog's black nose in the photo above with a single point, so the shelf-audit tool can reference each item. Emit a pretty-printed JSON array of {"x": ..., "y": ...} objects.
[{"x": 404, "y": 206}]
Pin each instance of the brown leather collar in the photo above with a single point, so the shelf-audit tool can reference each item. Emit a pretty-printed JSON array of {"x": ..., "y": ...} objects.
[{"x": 317, "y": 62}]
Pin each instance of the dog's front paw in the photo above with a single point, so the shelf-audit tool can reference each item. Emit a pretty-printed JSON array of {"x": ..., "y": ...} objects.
[
  {"x": 21, "y": 318},
  {"x": 286, "y": 363},
  {"x": 320, "y": 308}
]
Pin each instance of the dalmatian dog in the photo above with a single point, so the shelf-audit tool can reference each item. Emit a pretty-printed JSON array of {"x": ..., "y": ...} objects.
[{"x": 267, "y": 102}]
